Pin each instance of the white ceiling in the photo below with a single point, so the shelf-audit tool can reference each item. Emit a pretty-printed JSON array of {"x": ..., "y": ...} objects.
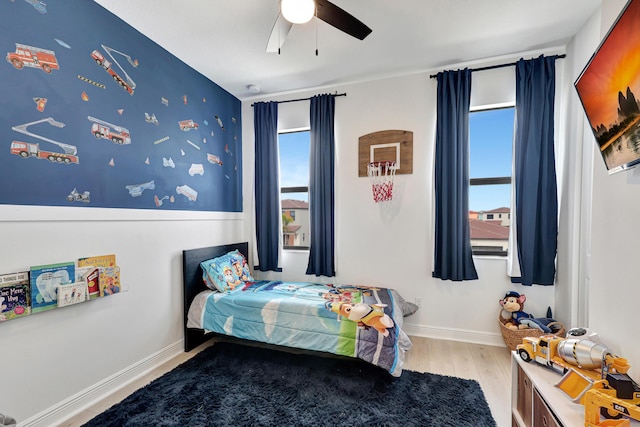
[{"x": 225, "y": 40}]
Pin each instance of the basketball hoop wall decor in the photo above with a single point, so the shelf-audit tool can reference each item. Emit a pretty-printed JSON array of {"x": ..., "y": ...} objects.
[
  {"x": 381, "y": 175},
  {"x": 382, "y": 155}
]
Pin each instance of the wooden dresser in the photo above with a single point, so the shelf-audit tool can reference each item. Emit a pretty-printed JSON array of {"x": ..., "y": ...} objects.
[{"x": 536, "y": 402}]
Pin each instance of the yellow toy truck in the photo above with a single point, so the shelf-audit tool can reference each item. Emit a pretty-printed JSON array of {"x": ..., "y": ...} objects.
[{"x": 592, "y": 376}]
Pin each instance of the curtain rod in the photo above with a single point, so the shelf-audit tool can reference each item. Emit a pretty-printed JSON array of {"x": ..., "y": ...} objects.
[
  {"x": 491, "y": 67},
  {"x": 303, "y": 99}
]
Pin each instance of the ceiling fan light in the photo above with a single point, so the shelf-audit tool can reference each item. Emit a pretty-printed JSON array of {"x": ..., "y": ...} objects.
[{"x": 298, "y": 11}]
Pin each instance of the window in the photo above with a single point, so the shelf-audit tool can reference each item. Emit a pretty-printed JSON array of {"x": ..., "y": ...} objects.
[
  {"x": 294, "y": 150},
  {"x": 490, "y": 160}
]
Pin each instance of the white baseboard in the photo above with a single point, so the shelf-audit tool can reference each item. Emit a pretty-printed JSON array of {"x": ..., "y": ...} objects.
[
  {"x": 475, "y": 337},
  {"x": 87, "y": 397}
]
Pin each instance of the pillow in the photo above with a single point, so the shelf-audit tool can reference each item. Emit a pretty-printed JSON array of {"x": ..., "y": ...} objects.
[
  {"x": 226, "y": 272},
  {"x": 408, "y": 308}
]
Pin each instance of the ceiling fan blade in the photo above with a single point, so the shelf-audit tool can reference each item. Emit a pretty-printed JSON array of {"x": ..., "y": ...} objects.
[
  {"x": 341, "y": 19},
  {"x": 279, "y": 34}
]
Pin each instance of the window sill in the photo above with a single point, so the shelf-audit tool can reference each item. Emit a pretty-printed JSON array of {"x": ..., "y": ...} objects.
[
  {"x": 491, "y": 257},
  {"x": 296, "y": 249}
]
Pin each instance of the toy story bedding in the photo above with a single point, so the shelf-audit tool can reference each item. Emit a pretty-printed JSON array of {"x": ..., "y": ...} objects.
[{"x": 356, "y": 321}]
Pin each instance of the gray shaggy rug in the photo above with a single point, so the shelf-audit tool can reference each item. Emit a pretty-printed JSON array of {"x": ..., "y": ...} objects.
[{"x": 230, "y": 384}]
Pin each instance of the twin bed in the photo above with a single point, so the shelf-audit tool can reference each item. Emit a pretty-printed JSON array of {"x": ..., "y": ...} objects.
[{"x": 355, "y": 321}]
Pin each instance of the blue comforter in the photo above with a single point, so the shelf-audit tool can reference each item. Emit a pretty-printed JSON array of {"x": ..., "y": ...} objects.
[{"x": 355, "y": 321}]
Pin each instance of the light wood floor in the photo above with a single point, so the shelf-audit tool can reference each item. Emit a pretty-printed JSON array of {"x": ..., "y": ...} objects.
[{"x": 488, "y": 365}]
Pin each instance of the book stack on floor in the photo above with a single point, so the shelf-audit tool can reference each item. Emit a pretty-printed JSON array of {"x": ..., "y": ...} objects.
[{"x": 45, "y": 287}]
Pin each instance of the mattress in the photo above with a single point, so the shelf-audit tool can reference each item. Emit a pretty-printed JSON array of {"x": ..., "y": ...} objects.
[{"x": 356, "y": 321}]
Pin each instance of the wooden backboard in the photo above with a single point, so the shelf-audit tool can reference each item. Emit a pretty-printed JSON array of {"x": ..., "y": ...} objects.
[{"x": 386, "y": 145}]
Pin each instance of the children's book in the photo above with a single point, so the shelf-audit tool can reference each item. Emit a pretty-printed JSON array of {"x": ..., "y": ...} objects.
[
  {"x": 93, "y": 283},
  {"x": 15, "y": 297},
  {"x": 44, "y": 282},
  {"x": 89, "y": 275},
  {"x": 72, "y": 293},
  {"x": 98, "y": 261},
  {"x": 109, "y": 280}
]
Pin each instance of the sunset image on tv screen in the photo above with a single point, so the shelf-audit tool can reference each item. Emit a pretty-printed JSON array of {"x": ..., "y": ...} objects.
[{"x": 609, "y": 89}]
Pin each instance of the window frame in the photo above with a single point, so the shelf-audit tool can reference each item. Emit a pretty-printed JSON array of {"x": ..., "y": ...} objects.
[
  {"x": 294, "y": 189},
  {"x": 500, "y": 180}
]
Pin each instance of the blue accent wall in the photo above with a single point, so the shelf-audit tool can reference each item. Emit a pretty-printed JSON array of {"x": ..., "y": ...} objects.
[{"x": 110, "y": 130}]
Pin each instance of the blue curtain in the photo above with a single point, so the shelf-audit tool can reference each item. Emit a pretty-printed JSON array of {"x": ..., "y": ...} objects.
[
  {"x": 535, "y": 171},
  {"x": 267, "y": 187},
  {"x": 321, "y": 197},
  {"x": 453, "y": 258}
]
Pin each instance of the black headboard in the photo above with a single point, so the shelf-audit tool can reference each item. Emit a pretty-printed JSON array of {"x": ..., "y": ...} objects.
[{"x": 193, "y": 284}]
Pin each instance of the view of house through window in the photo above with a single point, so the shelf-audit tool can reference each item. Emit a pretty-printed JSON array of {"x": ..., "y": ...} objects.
[
  {"x": 490, "y": 159},
  {"x": 294, "y": 188}
]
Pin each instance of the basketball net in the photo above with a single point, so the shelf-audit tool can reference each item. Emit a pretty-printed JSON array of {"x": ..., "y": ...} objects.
[{"x": 381, "y": 175}]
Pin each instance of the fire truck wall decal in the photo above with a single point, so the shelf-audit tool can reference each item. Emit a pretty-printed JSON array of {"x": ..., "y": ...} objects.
[
  {"x": 33, "y": 57},
  {"x": 106, "y": 130},
  {"x": 127, "y": 82},
  {"x": 137, "y": 127},
  {"x": 26, "y": 149}
]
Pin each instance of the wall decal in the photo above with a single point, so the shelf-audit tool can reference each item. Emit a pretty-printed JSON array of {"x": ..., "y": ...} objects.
[{"x": 112, "y": 120}]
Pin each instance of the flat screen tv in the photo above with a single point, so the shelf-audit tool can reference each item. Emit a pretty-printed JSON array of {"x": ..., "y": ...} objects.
[{"x": 609, "y": 90}]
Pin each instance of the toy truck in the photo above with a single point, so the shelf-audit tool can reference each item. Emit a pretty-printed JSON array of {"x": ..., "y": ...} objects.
[
  {"x": 564, "y": 354},
  {"x": 592, "y": 376},
  {"x": 603, "y": 401},
  {"x": 26, "y": 149},
  {"x": 35, "y": 57}
]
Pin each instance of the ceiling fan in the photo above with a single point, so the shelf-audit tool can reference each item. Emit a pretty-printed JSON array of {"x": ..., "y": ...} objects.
[{"x": 327, "y": 12}]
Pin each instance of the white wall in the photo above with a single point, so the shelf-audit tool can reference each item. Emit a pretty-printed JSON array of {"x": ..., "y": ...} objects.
[
  {"x": 48, "y": 358},
  {"x": 393, "y": 245},
  {"x": 614, "y": 292}
]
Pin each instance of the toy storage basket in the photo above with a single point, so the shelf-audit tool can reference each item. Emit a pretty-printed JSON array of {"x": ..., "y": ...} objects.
[{"x": 514, "y": 337}]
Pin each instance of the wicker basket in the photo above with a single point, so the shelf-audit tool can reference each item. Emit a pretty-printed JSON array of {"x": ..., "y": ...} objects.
[{"x": 514, "y": 337}]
